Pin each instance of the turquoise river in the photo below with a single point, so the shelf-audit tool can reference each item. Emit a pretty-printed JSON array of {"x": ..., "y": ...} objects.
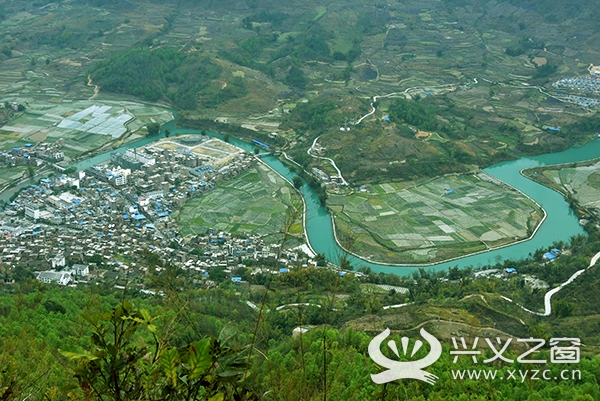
[{"x": 560, "y": 223}]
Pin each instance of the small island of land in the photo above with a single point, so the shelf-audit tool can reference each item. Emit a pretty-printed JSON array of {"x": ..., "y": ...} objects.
[
  {"x": 577, "y": 182},
  {"x": 433, "y": 220}
]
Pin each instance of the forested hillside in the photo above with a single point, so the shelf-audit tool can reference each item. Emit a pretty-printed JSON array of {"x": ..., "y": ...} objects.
[
  {"x": 211, "y": 344},
  {"x": 167, "y": 74}
]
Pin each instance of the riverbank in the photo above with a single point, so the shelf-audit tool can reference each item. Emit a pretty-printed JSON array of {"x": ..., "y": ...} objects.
[
  {"x": 426, "y": 222},
  {"x": 303, "y": 205},
  {"x": 559, "y": 224}
]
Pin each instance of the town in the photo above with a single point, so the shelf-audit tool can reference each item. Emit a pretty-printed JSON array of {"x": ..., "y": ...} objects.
[
  {"x": 586, "y": 83},
  {"x": 109, "y": 221}
]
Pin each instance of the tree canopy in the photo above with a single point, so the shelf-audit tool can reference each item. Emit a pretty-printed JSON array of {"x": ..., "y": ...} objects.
[{"x": 185, "y": 79}]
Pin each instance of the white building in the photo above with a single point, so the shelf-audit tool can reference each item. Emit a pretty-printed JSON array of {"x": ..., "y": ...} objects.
[
  {"x": 120, "y": 180},
  {"x": 154, "y": 194},
  {"x": 119, "y": 175},
  {"x": 61, "y": 278},
  {"x": 80, "y": 270},
  {"x": 34, "y": 213},
  {"x": 142, "y": 157},
  {"x": 71, "y": 182},
  {"x": 58, "y": 261}
]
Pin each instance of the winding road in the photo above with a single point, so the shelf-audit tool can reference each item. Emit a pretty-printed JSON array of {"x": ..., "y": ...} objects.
[
  {"x": 475, "y": 82},
  {"x": 344, "y": 182},
  {"x": 547, "y": 297},
  {"x": 549, "y": 294},
  {"x": 404, "y": 92},
  {"x": 96, "y": 87}
]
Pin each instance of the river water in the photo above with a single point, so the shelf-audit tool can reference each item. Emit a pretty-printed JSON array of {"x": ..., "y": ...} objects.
[{"x": 560, "y": 224}]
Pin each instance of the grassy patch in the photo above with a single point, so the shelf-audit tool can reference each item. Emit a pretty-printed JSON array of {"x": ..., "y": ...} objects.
[
  {"x": 320, "y": 12},
  {"x": 594, "y": 180},
  {"x": 255, "y": 202},
  {"x": 438, "y": 219}
]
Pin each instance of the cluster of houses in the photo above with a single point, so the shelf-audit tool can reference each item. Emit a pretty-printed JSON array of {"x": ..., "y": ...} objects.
[
  {"x": 118, "y": 213},
  {"x": 66, "y": 275},
  {"x": 33, "y": 154},
  {"x": 585, "y": 83},
  {"x": 578, "y": 100},
  {"x": 84, "y": 259},
  {"x": 12, "y": 105},
  {"x": 553, "y": 254}
]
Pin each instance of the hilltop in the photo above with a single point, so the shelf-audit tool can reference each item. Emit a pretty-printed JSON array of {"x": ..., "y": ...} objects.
[{"x": 255, "y": 63}]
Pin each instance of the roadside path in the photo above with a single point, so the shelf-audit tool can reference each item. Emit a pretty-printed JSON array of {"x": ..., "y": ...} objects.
[
  {"x": 405, "y": 92},
  {"x": 256, "y": 308},
  {"x": 290, "y": 159},
  {"x": 475, "y": 82},
  {"x": 547, "y": 297},
  {"x": 549, "y": 294},
  {"x": 96, "y": 87},
  {"x": 344, "y": 182}
]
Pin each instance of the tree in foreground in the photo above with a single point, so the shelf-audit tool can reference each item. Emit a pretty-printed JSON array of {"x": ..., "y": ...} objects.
[
  {"x": 130, "y": 362},
  {"x": 153, "y": 129}
]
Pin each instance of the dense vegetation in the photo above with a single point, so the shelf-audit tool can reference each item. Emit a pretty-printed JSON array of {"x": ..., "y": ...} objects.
[
  {"x": 582, "y": 127},
  {"x": 6, "y": 114},
  {"x": 577, "y": 132},
  {"x": 441, "y": 114},
  {"x": 208, "y": 344},
  {"x": 371, "y": 152},
  {"x": 166, "y": 73},
  {"x": 285, "y": 59},
  {"x": 420, "y": 114}
]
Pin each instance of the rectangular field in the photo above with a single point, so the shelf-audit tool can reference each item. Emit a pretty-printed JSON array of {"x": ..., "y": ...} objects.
[
  {"x": 255, "y": 202},
  {"x": 442, "y": 218}
]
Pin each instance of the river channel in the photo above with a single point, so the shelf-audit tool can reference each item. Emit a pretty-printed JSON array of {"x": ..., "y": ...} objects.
[{"x": 560, "y": 224}]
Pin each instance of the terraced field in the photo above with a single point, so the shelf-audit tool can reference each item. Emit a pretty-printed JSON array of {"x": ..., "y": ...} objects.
[
  {"x": 435, "y": 220},
  {"x": 255, "y": 202}
]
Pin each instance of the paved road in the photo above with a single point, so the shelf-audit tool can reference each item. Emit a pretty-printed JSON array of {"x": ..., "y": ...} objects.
[
  {"x": 344, "y": 182},
  {"x": 549, "y": 294}
]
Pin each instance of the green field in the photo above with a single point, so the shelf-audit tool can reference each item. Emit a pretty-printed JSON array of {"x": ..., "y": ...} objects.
[
  {"x": 9, "y": 174},
  {"x": 425, "y": 224},
  {"x": 255, "y": 202},
  {"x": 41, "y": 123},
  {"x": 320, "y": 12},
  {"x": 581, "y": 181}
]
